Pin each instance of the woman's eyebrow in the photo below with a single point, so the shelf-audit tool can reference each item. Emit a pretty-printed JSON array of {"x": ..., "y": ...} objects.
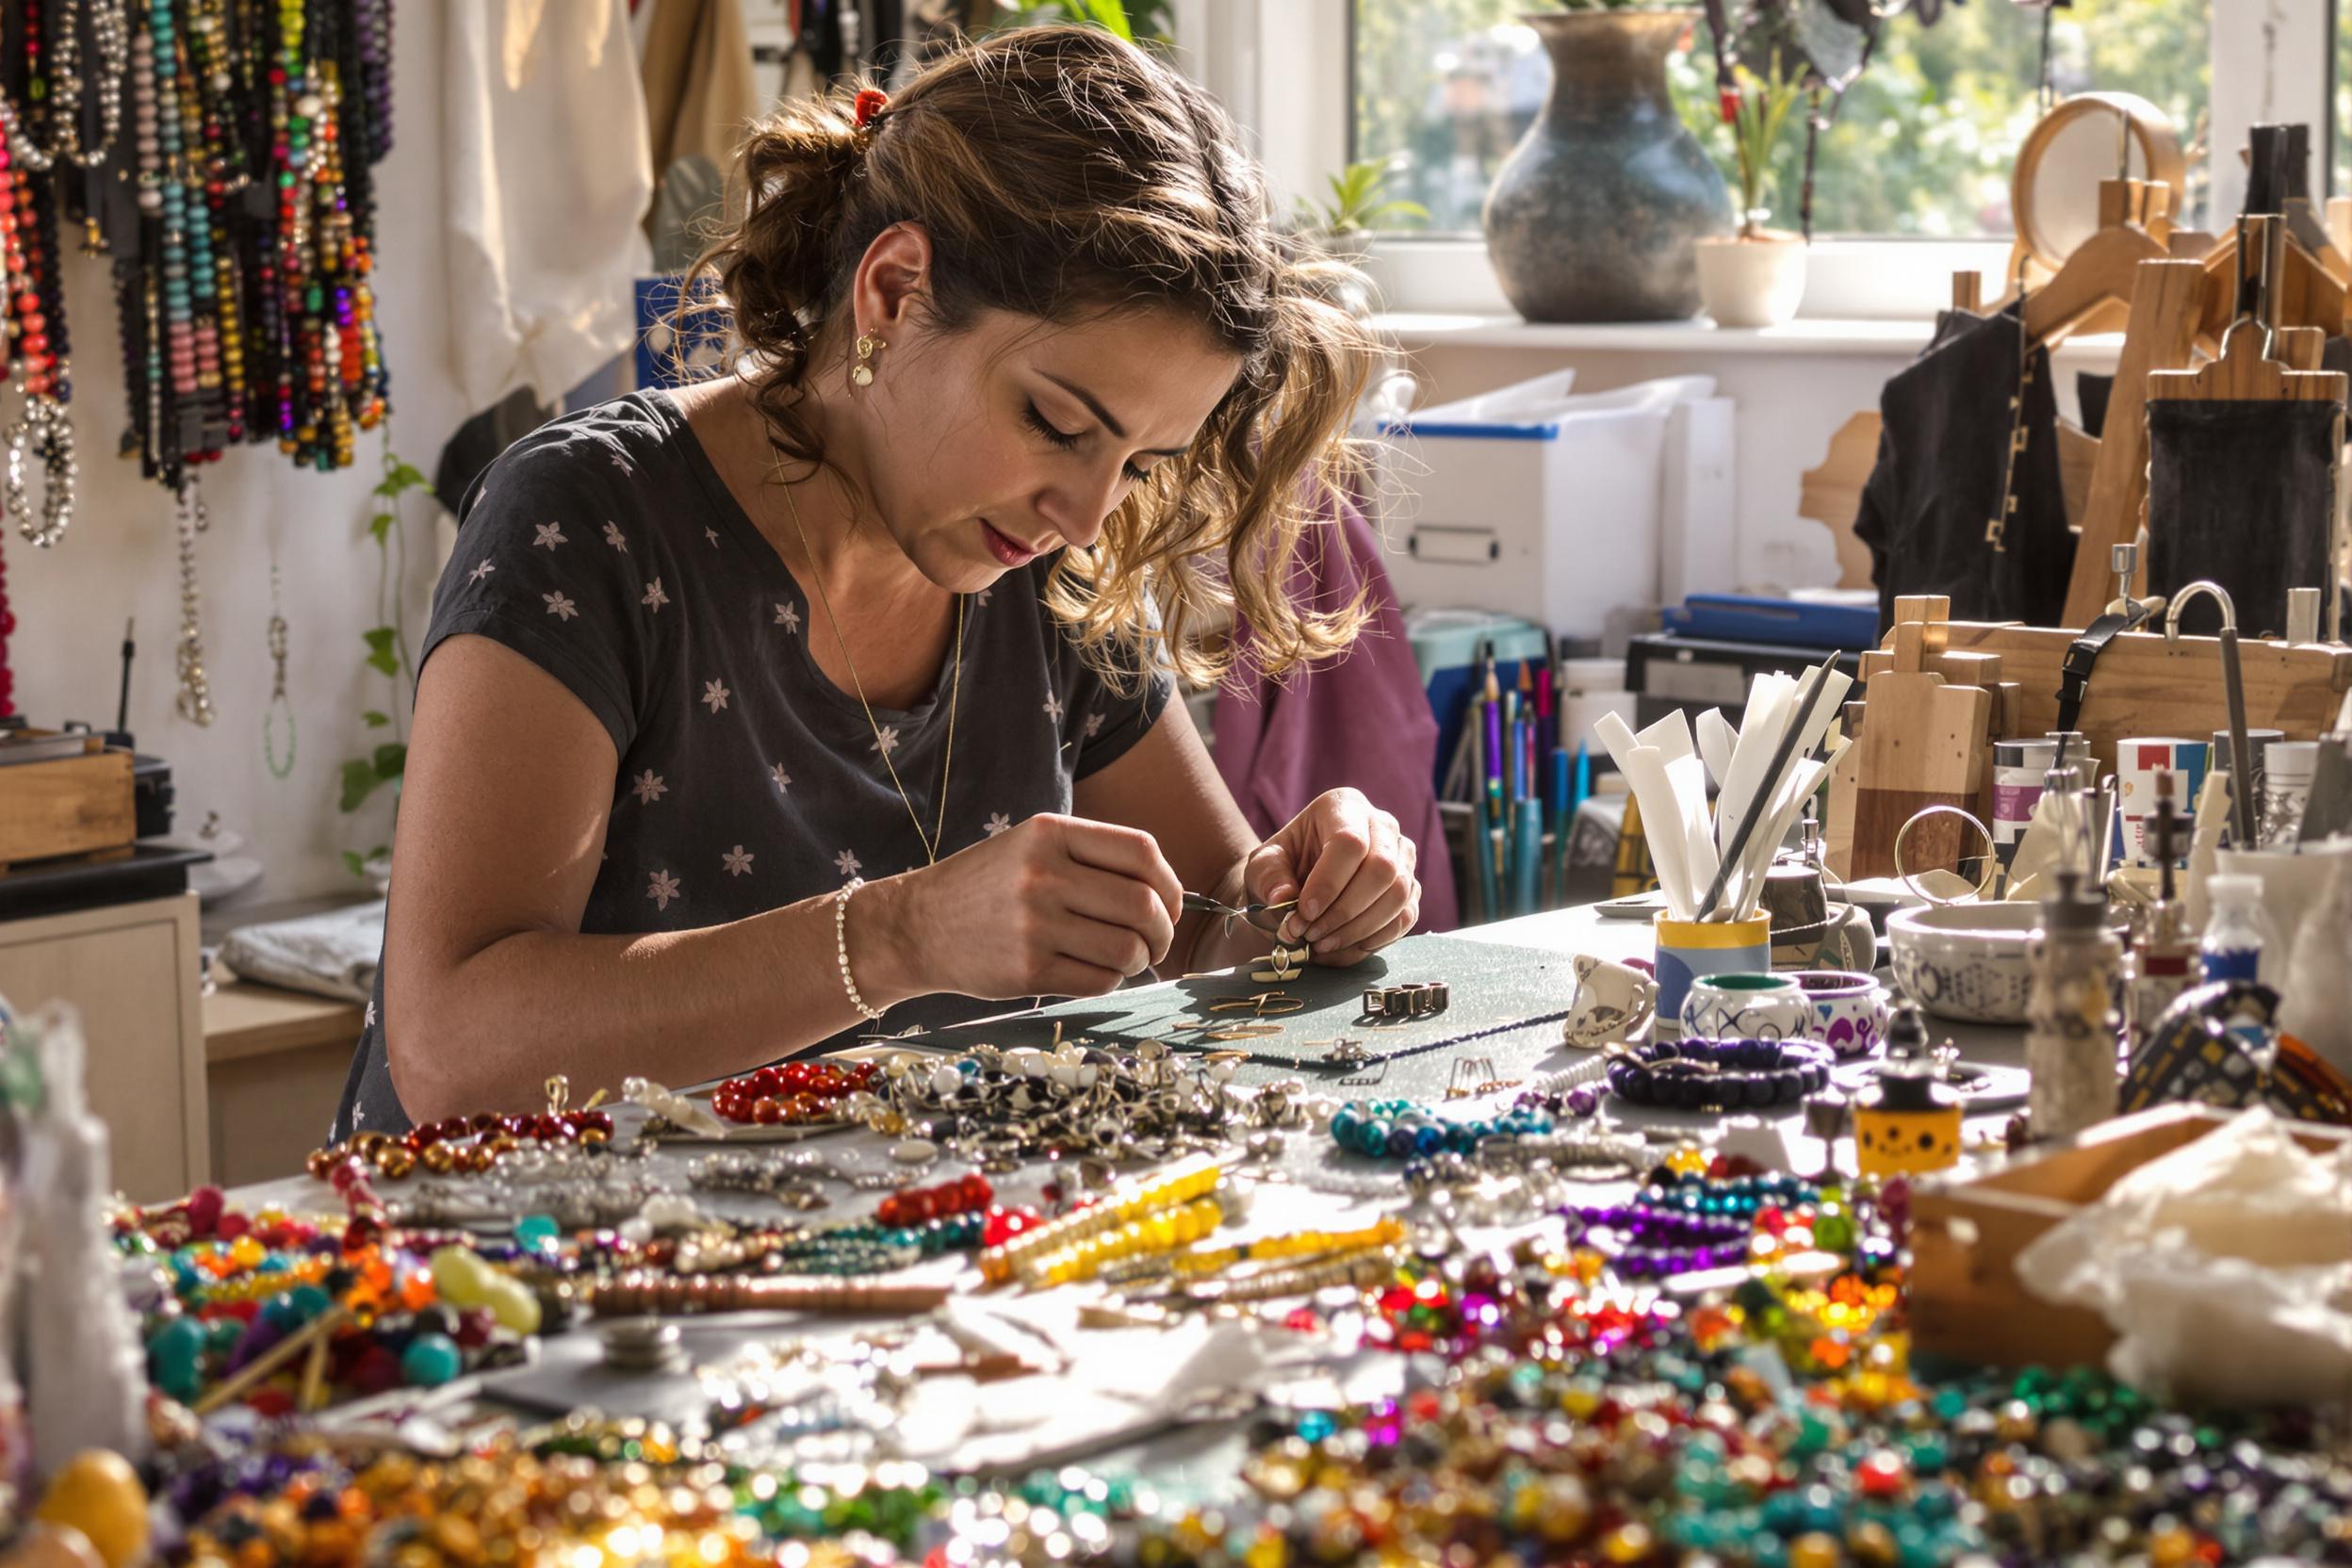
[{"x": 1094, "y": 404}]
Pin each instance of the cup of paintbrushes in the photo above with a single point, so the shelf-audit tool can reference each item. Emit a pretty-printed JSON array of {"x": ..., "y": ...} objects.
[{"x": 1692, "y": 948}]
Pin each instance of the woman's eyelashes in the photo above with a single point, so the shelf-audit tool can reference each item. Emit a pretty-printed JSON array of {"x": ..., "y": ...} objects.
[{"x": 1068, "y": 439}]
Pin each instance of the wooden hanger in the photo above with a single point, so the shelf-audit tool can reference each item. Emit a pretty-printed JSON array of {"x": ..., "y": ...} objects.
[{"x": 2094, "y": 286}]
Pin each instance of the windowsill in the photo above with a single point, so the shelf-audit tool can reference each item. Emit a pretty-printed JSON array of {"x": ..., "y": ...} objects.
[{"x": 1412, "y": 330}]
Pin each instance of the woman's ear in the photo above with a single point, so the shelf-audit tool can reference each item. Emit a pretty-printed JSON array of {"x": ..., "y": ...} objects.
[{"x": 893, "y": 273}]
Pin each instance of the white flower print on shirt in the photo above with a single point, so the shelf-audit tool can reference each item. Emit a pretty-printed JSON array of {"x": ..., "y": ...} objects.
[
  {"x": 560, "y": 607},
  {"x": 711, "y": 535},
  {"x": 787, "y": 617},
  {"x": 661, "y": 890},
  {"x": 998, "y": 823},
  {"x": 1054, "y": 707},
  {"x": 479, "y": 572},
  {"x": 1094, "y": 726},
  {"x": 655, "y": 599},
  {"x": 550, "y": 534},
  {"x": 846, "y": 863},
  {"x": 737, "y": 862},
  {"x": 886, "y": 739},
  {"x": 614, "y": 537},
  {"x": 783, "y": 780},
  {"x": 715, "y": 694},
  {"x": 370, "y": 1021},
  {"x": 648, "y": 787}
]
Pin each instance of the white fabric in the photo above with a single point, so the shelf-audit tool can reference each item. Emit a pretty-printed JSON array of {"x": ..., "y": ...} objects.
[
  {"x": 2224, "y": 1268},
  {"x": 549, "y": 172},
  {"x": 332, "y": 954}
]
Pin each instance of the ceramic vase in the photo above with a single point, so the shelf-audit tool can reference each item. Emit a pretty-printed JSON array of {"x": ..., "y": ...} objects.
[
  {"x": 1851, "y": 1010},
  {"x": 1746, "y": 1008},
  {"x": 1596, "y": 214},
  {"x": 1751, "y": 282}
]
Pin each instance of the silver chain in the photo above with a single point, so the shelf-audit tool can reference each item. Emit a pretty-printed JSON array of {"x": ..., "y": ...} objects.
[{"x": 195, "y": 699}]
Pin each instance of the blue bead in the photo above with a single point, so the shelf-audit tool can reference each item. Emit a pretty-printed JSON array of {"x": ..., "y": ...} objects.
[
  {"x": 1400, "y": 1143},
  {"x": 1428, "y": 1140},
  {"x": 536, "y": 1229},
  {"x": 1372, "y": 1138}
]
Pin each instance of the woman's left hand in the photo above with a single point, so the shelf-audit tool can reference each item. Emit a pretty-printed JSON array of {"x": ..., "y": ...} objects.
[{"x": 1352, "y": 870}]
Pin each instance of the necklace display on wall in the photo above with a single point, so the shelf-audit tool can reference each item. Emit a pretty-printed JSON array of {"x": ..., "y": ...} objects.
[
  {"x": 195, "y": 699},
  {"x": 278, "y": 705},
  {"x": 66, "y": 89}
]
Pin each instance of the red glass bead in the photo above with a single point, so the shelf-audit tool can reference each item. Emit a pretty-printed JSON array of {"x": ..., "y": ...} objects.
[
  {"x": 767, "y": 1111},
  {"x": 976, "y": 1191},
  {"x": 1882, "y": 1474}
]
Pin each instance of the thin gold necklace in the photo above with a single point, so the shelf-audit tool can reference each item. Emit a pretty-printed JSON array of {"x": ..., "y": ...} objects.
[{"x": 954, "y": 688}]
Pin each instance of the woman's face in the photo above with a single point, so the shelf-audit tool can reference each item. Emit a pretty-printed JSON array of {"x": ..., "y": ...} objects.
[{"x": 986, "y": 447}]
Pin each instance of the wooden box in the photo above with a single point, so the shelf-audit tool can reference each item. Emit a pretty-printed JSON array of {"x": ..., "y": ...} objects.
[
  {"x": 1967, "y": 1302},
  {"x": 70, "y": 805}
]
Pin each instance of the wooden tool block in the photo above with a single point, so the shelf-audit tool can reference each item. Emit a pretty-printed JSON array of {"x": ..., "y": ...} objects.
[
  {"x": 1845, "y": 778},
  {"x": 1925, "y": 742},
  {"x": 1831, "y": 493},
  {"x": 2143, "y": 685},
  {"x": 2166, "y": 298},
  {"x": 67, "y": 806}
]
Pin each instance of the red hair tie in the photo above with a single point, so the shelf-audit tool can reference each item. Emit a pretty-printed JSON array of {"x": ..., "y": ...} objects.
[{"x": 870, "y": 101}]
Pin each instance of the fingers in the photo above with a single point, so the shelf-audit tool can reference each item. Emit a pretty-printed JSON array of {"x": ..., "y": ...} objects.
[
  {"x": 1115, "y": 900},
  {"x": 1127, "y": 851},
  {"x": 1375, "y": 891},
  {"x": 1339, "y": 958},
  {"x": 1343, "y": 849},
  {"x": 1268, "y": 877},
  {"x": 1099, "y": 945}
]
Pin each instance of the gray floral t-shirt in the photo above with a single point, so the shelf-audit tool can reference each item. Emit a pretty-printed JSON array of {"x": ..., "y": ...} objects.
[{"x": 606, "y": 549}]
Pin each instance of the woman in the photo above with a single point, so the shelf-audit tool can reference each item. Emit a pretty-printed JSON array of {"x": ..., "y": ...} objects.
[{"x": 835, "y": 694}]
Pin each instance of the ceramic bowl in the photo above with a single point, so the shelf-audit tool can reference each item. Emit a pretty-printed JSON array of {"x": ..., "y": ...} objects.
[
  {"x": 1966, "y": 961},
  {"x": 1745, "y": 1007},
  {"x": 1851, "y": 1010}
]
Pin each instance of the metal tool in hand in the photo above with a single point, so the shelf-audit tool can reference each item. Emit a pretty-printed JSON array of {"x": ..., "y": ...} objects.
[{"x": 1262, "y": 917}]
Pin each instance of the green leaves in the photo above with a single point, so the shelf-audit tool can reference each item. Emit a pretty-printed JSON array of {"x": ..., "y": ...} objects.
[
  {"x": 399, "y": 479},
  {"x": 380, "y": 526},
  {"x": 362, "y": 777},
  {"x": 374, "y": 720},
  {"x": 1356, "y": 206},
  {"x": 382, "y": 656}
]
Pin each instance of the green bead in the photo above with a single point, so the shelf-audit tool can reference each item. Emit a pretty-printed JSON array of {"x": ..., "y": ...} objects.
[
  {"x": 175, "y": 1358},
  {"x": 537, "y": 1230},
  {"x": 430, "y": 1361},
  {"x": 223, "y": 1334},
  {"x": 308, "y": 1301}
]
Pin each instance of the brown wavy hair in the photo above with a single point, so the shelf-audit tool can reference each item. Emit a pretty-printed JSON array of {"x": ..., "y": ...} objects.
[{"x": 1064, "y": 175}]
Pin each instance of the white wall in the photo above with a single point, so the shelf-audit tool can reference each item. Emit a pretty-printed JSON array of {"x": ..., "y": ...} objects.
[
  {"x": 120, "y": 558},
  {"x": 1788, "y": 405}
]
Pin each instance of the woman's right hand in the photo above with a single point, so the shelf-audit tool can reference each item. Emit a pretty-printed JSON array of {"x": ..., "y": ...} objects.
[{"x": 1055, "y": 907}]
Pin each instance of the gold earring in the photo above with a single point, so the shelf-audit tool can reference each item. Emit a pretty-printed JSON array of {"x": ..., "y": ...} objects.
[{"x": 861, "y": 374}]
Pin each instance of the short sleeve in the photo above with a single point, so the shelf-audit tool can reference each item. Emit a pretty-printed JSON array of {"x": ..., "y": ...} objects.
[
  {"x": 542, "y": 566},
  {"x": 1104, "y": 718}
]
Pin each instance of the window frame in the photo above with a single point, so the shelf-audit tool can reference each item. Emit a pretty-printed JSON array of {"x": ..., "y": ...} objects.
[{"x": 1301, "y": 123}]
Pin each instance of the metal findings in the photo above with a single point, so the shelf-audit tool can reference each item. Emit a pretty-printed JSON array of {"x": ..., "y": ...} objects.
[
  {"x": 1395, "y": 1004},
  {"x": 1281, "y": 964},
  {"x": 861, "y": 374}
]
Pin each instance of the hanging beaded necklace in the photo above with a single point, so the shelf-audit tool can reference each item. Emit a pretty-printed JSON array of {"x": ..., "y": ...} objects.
[{"x": 62, "y": 104}]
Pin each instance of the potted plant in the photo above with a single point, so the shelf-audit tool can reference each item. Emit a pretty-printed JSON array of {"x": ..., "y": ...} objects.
[{"x": 1754, "y": 277}]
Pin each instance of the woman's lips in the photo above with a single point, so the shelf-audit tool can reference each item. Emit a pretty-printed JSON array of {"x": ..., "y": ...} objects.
[{"x": 1004, "y": 548}]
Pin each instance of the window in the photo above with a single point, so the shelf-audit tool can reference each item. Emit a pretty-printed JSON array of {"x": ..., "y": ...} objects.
[{"x": 1922, "y": 144}]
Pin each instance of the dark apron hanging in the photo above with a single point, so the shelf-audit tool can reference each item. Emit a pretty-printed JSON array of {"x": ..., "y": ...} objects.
[
  {"x": 2240, "y": 492},
  {"x": 1943, "y": 466}
]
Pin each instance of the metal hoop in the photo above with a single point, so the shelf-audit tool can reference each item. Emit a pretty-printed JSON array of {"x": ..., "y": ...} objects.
[{"x": 1992, "y": 854}]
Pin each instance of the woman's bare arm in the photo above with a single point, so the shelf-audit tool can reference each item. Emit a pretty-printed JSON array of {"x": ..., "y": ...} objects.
[{"x": 489, "y": 985}]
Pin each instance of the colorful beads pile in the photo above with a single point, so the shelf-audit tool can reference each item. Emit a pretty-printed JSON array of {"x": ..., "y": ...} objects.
[
  {"x": 458, "y": 1144},
  {"x": 791, "y": 1094},
  {"x": 915, "y": 1205},
  {"x": 1399, "y": 1130},
  {"x": 1720, "y": 1075}
]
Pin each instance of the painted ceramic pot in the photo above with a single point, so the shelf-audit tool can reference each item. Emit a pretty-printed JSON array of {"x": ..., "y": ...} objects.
[
  {"x": 1690, "y": 950},
  {"x": 1746, "y": 1007},
  {"x": 1850, "y": 1011},
  {"x": 1597, "y": 213}
]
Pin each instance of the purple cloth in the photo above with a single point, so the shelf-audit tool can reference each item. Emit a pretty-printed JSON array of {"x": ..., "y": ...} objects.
[{"x": 1360, "y": 719}]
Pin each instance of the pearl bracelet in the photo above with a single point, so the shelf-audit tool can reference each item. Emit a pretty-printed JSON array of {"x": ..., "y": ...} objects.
[{"x": 841, "y": 947}]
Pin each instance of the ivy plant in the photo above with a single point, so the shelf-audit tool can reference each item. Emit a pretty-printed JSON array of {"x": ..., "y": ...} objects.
[
  {"x": 1358, "y": 204},
  {"x": 387, "y": 650}
]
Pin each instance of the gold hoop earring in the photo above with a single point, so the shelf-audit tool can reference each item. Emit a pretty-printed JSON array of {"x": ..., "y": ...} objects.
[{"x": 861, "y": 374}]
